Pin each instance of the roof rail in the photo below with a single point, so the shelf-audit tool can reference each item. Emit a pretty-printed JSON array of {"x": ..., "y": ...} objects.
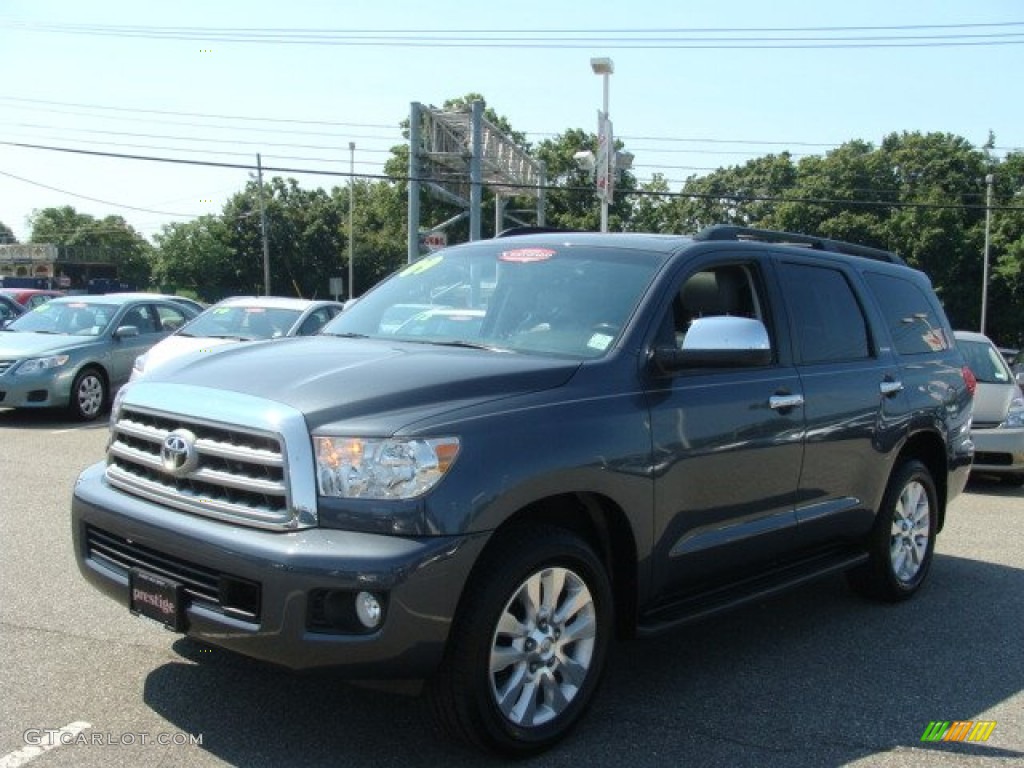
[
  {"x": 730, "y": 232},
  {"x": 514, "y": 231}
]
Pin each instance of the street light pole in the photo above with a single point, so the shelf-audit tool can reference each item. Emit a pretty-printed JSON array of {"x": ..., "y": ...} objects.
[
  {"x": 351, "y": 208},
  {"x": 605, "y": 155},
  {"x": 988, "y": 227},
  {"x": 263, "y": 228}
]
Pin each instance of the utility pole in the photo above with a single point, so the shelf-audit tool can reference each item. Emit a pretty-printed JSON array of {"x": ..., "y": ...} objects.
[
  {"x": 351, "y": 208},
  {"x": 988, "y": 227},
  {"x": 263, "y": 228}
]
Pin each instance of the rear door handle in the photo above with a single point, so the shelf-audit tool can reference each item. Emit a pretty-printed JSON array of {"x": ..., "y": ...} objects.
[{"x": 785, "y": 402}]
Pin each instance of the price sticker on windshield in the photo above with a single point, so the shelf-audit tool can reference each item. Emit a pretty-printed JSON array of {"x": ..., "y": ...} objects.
[{"x": 526, "y": 255}]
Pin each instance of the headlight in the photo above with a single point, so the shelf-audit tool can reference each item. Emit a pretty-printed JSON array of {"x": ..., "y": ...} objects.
[
  {"x": 1015, "y": 416},
  {"x": 394, "y": 468},
  {"x": 39, "y": 364}
]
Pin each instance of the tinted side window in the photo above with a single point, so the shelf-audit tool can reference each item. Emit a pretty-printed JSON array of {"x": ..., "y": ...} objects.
[
  {"x": 829, "y": 324},
  {"x": 315, "y": 321},
  {"x": 171, "y": 318},
  {"x": 141, "y": 317},
  {"x": 914, "y": 321}
]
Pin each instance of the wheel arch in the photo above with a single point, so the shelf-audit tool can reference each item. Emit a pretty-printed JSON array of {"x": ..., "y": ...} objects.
[
  {"x": 928, "y": 448},
  {"x": 602, "y": 524}
]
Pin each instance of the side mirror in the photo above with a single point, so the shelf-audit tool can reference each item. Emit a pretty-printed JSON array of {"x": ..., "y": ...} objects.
[
  {"x": 126, "y": 332},
  {"x": 718, "y": 342}
]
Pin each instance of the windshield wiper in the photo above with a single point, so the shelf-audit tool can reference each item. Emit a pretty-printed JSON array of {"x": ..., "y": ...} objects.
[
  {"x": 464, "y": 344},
  {"x": 344, "y": 335}
]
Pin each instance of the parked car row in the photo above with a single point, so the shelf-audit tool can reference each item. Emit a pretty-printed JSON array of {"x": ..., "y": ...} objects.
[{"x": 75, "y": 352}]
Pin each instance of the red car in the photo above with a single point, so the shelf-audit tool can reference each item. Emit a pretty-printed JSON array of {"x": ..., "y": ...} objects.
[{"x": 31, "y": 297}]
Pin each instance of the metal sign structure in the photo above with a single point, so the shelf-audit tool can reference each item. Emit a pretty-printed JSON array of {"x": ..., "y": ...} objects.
[{"x": 455, "y": 155}]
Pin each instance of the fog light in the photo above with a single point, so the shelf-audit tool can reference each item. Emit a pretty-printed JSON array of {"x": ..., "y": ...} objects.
[{"x": 368, "y": 610}]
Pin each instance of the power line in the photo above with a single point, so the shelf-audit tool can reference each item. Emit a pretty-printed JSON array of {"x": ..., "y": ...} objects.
[
  {"x": 199, "y": 114},
  {"x": 809, "y": 37},
  {"x": 93, "y": 199},
  {"x": 737, "y": 197},
  {"x": 396, "y": 137},
  {"x": 192, "y": 138}
]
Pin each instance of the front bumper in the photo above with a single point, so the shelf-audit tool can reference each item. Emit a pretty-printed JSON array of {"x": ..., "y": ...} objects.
[
  {"x": 422, "y": 579},
  {"x": 44, "y": 390},
  {"x": 999, "y": 450}
]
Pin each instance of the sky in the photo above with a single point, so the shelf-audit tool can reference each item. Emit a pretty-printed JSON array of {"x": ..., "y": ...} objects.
[{"x": 696, "y": 86}]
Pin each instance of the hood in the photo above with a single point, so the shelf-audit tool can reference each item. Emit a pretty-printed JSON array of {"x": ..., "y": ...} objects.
[
  {"x": 992, "y": 401},
  {"x": 16, "y": 345},
  {"x": 175, "y": 346},
  {"x": 371, "y": 385}
]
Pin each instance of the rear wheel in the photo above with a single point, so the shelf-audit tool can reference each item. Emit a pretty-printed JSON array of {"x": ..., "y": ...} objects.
[
  {"x": 903, "y": 541},
  {"x": 529, "y": 645},
  {"x": 88, "y": 395}
]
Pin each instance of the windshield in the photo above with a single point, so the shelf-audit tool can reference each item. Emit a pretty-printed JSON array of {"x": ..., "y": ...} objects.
[
  {"x": 245, "y": 322},
  {"x": 70, "y": 318},
  {"x": 546, "y": 300},
  {"x": 985, "y": 362}
]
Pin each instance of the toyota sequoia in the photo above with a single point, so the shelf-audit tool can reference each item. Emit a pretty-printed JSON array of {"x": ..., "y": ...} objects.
[{"x": 626, "y": 433}]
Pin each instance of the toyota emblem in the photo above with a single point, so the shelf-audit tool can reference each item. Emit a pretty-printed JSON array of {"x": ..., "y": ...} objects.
[{"x": 178, "y": 453}]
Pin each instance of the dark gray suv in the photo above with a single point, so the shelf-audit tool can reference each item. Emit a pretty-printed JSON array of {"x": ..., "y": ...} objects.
[{"x": 641, "y": 431}]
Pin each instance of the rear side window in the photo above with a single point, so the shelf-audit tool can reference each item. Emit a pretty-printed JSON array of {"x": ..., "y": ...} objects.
[
  {"x": 828, "y": 321},
  {"x": 915, "y": 322}
]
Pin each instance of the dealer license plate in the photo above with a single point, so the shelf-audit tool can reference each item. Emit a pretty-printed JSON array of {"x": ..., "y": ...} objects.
[{"x": 156, "y": 598}]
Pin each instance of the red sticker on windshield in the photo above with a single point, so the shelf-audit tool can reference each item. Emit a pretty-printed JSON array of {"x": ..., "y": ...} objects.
[{"x": 526, "y": 255}]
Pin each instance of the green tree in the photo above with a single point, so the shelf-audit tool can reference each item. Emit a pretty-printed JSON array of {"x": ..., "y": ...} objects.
[
  {"x": 196, "y": 256},
  {"x": 7, "y": 235},
  {"x": 1005, "y": 318},
  {"x": 83, "y": 237},
  {"x": 572, "y": 201}
]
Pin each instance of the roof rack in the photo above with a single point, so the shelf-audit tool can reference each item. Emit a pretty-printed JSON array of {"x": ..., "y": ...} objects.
[
  {"x": 514, "y": 231},
  {"x": 729, "y": 232}
]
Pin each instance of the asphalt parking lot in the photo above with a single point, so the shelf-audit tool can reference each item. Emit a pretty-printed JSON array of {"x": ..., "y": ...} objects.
[{"x": 817, "y": 677}]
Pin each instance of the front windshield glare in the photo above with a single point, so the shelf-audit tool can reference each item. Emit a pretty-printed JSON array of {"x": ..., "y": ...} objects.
[
  {"x": 502, "y": 295},
  {"x": 72, "y": 318}
]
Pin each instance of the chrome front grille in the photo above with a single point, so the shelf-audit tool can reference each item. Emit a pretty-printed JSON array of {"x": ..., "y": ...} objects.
[
  {"x": 234, "y": 473},
  {"x": 5, "y": 365}
]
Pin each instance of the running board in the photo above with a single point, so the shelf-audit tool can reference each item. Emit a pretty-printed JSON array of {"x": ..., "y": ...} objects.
[{"x": 696, "y": 607}]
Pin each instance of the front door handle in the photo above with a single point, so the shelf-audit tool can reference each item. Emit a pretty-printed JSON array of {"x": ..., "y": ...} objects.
[
  {"x": 785, "y": 402},
  {"x": 890, "y": 387}
]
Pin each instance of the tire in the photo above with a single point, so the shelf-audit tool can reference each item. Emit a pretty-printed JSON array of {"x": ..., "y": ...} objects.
[
  {"x": 903, "y": 541},
  {"x": 88, "y": 395},
  {"x": 528, "y": 646}
]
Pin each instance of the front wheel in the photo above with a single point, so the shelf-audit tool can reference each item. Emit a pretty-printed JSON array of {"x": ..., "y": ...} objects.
[
  {"x": 88, "y": 395},
  {"x": 529, "y": 645},
  {"x": 903, "y": 541}
]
